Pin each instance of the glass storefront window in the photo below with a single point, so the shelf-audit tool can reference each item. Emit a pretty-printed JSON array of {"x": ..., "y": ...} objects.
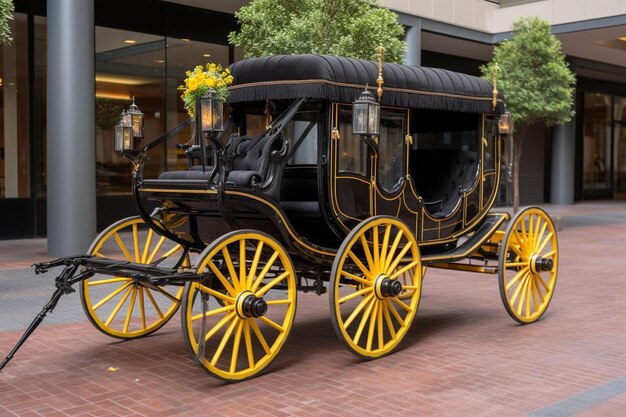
[
  {"x": 597, "y": 143},
  {"x": 14, "y": 143}
]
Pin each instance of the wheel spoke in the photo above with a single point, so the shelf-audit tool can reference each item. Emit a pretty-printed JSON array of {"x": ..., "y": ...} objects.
[
  {"x": 520, "y": 285},
  {"x": 232, "y": 316},
  {"x": 376, "y": 248},
  {"x": 379, "y": 325},
  {"x": 216, "y": 294},
  {"x": 545, "y": 241},
  {"x": 519, "y": 252},
  {"x": 530, "y": 233},
  {"x": 364, "y": 302},
  {"x": 524, "y": 234},
  {"x": 235, "y": 355},
  {"x": 156, "y": 250},
  {"x": 528, "y": 291},
  {"x": 142, "y": 308},
  {"x": 260, "y": 293},
  {"x": 355, "y": 294},
  {"x": 540, "y": 234},
  {"x": 222, "y": 279},
  {"x": 277, "y": 302},
  {"x": 533, "y": 290},
  {"x": 364, "y": 319},
  {"x": 543, "y": 283},
  {"x": 394, "y": 312},
  {"x": 390, "y": 326},
  {"x": 392, "y": 250},
  {"x": 537, "y": 226},
  {"x": 231, "y": 269},
  {"x": 522, "y": 298},
  {"x": 355, "y": 278},
  {"x": 214, "y": 312},
  {"x": 171, "y": 252},
  {"x": 372, "y": 325},
  {"x": 131, "y": 307},
  {"x": 154, "y": 303},
  {"x": 360, "y": 265},
  {"x": 117, "y": 307},
  {"x": 401, "y": 304},
  {"x": 122, "y": 246},
  {"x": 225, "y": 339},
  {"x": 517, "y": 276},
  {"x": 136, "y": 243},
  {"x": 146, "y": 249},
  {"x": 405, "y": 268},
  {"x": 538, "y": 290},
  {"x": 515, "y": 264},
  {"x": 111, "y": 295},
  {"x": 243, "y": 277},
  {"x": 399, "y": 258},
  {"x": 260, "y": 336},
  {"x": 255, "y": 264},
  {"x": 272, "y": 323},
  {"x": 259, "y": 279},
  {"x": 383, "y": 249},
  {"x": 368, "y": 253},
  {"x": 248, "y": 340},
  {"x": 107, "y": 281}
]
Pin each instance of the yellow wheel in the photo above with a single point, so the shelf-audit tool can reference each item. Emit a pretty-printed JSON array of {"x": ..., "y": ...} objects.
[
  {"x": 236, "y": 321},
  {"x": 528, "y": 265},
  {"x": 381, "y": 256},
  {"x": 118, "y": 306}
]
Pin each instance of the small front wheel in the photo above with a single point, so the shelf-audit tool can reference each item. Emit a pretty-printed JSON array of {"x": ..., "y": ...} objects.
[
  {"x": 236, "y": 320},
  {"x": 375, "y": 286},
  {"x": 528, "y": 264},
  {"x": 120, "y": 306}
]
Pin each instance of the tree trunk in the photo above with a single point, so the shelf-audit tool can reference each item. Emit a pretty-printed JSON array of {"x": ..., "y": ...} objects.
[{"x": 518, "y": 139}]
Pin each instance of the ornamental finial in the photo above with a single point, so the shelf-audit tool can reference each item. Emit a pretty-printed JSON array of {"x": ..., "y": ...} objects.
[
  {"x": 380, "y": 80},
  {"x": 496, "y": 72}
]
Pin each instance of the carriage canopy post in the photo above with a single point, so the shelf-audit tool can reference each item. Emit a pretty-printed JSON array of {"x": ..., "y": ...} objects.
[{"x": 365, "y": 115}]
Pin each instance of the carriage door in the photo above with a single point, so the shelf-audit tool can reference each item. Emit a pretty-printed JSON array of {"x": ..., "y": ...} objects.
[{"x": 391, "y": 159}]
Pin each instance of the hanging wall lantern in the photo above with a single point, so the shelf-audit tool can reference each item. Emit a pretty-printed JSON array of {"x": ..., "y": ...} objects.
[
  {"x": 504, "y": 124},
  {"x": 124, "y": 134},
  {"x": 136, "y": 119}
]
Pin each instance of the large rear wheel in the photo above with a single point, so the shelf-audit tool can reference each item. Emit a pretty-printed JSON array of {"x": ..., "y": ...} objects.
[
  {"x": 375, "y": 286},
  {"x": 236, "y": 321},
  {"x": 120, "y": 306}
]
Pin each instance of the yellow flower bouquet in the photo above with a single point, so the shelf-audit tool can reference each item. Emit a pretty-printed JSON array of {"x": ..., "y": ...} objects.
[{"x": 204, "y": 80}]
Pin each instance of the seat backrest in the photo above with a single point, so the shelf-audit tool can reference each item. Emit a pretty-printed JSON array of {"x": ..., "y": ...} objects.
[{"x": 254, "y": 154}]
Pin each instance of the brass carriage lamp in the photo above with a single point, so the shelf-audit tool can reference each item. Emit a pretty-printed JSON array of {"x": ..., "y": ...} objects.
[
  {"x": 504, "y": 124},
  {"x": 124, "y": 134},
  {"x": 366, "y": 115},
  {"x": 211, "y": 110}
]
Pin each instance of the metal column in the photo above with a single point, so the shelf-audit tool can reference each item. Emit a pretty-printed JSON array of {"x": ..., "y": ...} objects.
[
  {"x": 563, "y": 153},
  {"x": 71, "y": 173},
  {"x": 413, "y": 39}
]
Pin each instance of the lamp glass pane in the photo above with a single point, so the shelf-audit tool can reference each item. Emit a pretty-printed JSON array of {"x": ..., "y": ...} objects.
[
  {"x": 359, "y": 119},
  {"x": 138, "y": 125},
  {"x": 374, "y": 119},
  {"x": 127, "y": 138},
  {"x": 119, "y": 137},
  {"x": 218, "y": 111},
  {"x": 206, "y": 115}
]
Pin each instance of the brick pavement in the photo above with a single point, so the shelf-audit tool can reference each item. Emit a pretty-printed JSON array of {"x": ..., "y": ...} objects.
[{"x": 464, "y": 356}]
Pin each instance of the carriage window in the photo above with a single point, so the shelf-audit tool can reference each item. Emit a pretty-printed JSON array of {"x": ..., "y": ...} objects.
[
  {"x": 391, "y": 146},
  {"x": 302, "y": 135},
  {"x": 353, "y": 156}
]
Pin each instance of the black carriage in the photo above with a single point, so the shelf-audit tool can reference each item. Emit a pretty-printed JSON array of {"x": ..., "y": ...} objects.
[{"x": 288, "y": 198}]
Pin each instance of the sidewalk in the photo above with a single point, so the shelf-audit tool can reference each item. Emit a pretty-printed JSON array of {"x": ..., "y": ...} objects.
[{"x": 464, "y": 356}]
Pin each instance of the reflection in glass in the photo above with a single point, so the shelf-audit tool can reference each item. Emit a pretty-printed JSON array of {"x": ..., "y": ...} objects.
[{"x": 597, "y": 142}]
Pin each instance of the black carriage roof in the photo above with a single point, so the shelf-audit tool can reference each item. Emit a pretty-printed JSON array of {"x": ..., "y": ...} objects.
[{"x": 342, "y": 79}]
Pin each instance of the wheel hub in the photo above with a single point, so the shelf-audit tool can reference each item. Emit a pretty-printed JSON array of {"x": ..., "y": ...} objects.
[
  {"x": 540, "y": 264},
  {"x": 387, "y": 287},
  {"x": 248, "y": 305}
]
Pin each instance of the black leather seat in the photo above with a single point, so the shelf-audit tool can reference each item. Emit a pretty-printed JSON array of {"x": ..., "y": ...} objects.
[{"x": 441, "y": 176}]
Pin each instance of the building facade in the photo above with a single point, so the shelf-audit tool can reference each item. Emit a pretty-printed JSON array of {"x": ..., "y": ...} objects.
[{"x": 142, "y": 49}]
